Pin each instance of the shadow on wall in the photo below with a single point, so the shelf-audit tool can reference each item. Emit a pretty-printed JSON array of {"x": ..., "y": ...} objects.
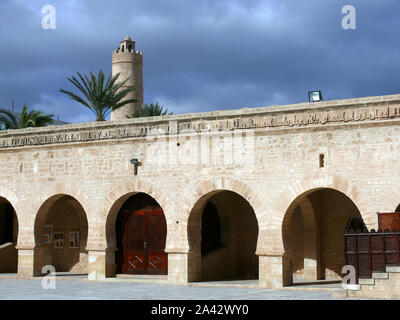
[{"x": 8, "y": 238}]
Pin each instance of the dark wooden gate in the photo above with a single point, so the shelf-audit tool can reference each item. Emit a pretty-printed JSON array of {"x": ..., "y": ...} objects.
[
  {"x": 389, "y": 221},
  {"x": 145, "y": 233}
]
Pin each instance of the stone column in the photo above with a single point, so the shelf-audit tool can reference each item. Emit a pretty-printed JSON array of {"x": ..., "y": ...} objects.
[
  {"x": 180, "y": 264},
  {"x": 177, "y": 266},
  {"x": 26, "y": 241},
  {"x": 183, "y": 266},
  {"x": 26, "y": 259},
  {"x": 275, "y": 270},
  {"x": 101, "y": 263}
]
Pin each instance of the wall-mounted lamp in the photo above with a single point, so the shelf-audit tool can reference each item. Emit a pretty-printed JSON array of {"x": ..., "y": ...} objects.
[
  {"x": 315, "y": 96},
  {"x": 136, "y": 163}
]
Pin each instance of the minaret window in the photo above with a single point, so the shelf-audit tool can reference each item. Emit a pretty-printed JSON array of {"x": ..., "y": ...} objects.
[{"x": 130, "y": 48}]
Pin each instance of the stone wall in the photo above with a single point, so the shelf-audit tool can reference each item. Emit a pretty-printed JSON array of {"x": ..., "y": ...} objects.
[{"x": 269, "y": 156}]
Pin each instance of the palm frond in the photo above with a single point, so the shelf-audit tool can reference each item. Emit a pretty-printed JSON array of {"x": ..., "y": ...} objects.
[
  {"x": 100, "y": 95},
  {"x": 8, "y": 119},
  {"x": 150, "y": 110}
]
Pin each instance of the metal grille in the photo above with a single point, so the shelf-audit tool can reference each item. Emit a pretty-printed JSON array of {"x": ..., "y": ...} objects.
[
  {"x": 378, "y": 243},
  {"x": 351, "y": 243},
  {"x": 378, "y": 262},
  {"x": 364, "y": 265},
  {"x": 371, "y": 251}
]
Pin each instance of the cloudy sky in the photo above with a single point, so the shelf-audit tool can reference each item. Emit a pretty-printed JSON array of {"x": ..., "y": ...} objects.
[{"x": 201, "y": 55}]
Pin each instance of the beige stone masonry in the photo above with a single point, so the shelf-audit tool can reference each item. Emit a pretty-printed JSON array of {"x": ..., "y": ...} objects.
[{"x": 360, "y": 139}]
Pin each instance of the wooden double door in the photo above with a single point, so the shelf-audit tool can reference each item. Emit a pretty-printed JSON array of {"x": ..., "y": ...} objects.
[{"x": 144, "y": 238}]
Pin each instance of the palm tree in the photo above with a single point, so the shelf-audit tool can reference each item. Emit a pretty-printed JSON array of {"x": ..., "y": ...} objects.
[
  {"x": 8, "y": 120},
  {"x": 100, "y": 97},
  {"x": 34, "y": 118},
  {"x": 150, "y": 110},
  {"x": 27, "y": 119}
]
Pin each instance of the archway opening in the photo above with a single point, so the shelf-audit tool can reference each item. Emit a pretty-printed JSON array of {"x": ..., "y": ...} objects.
[
  {"x": 140, "y": 235},
  {"x": 312, "y": 233},
  {"x": 61, "y": 231},
  {"x": 8, "y": 238},
  {"x": 223, "y": 232}
]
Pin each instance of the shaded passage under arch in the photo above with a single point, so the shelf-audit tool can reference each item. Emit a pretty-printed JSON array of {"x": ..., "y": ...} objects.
[
  {"x": 8, "y": 238},
  {"x": 210, "y": 229},
  {"x": 312, "y": 233},
  {"x": 61, "y": 231},
  {"x": 223, "y": 233}
]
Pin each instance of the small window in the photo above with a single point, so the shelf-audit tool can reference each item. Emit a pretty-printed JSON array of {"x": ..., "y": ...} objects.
[
  {"x": 130, "y": 48},
  {"x": 123, "y": 49},
  {"x": 321, "y": 160}
]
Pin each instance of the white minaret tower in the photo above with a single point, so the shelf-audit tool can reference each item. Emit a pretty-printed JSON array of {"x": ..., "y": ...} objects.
[{"x": 129, "y": 63}]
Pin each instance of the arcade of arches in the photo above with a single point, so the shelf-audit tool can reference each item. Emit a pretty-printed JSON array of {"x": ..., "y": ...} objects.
[{"x": 222, "y": 233}]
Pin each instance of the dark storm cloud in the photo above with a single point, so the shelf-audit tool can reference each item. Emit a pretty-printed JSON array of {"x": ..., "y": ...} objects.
[{"x": 202, "y": 55}]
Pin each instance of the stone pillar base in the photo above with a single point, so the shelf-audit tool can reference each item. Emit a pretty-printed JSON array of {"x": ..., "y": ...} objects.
[
  {"x": 26, "y": 263},
  {"x": 182, "y": 266},
  {"x": 101, "y": 263},
  {"x": 178, "y": 268},
  {"x": 275, "y": 271}
]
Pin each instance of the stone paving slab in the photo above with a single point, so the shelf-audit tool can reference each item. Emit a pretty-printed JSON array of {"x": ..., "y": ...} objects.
[{"x": 18, "y": 289}]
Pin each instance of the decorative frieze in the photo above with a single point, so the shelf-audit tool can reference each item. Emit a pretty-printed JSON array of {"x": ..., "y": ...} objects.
[{"x": 222, "y": 122}]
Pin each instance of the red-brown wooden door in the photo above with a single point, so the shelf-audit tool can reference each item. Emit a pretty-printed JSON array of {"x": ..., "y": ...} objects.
[{"x": 145, "y": 234}]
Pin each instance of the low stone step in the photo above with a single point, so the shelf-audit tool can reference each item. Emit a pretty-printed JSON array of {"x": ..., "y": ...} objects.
[
  {"x": 380, "y": 275},
  {"x": 366, "y": 281},
  {"x": 339, "y": 294},
  {"x": 393, "y": 269},
  {"x": 352, "y": 287}
]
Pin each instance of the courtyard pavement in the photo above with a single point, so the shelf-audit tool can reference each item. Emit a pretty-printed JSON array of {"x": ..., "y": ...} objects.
[{"x": 18, "y": 289}]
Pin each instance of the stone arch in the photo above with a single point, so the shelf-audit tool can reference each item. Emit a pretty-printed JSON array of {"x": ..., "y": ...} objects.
[
  {"x": 32, "y": 208},
  {"x": 314, "y": 250},
  {"x": 110, "y": 209},
  {"x": 48, "y": 203},
  {"x": 222, "y": 183},
  {"x": 12, "y": 198},
  {"x": 218, "y": 190},
  {"x": 293, "y": 195},
  {"x": 50, "y": 191},
  {"x": 207, "y": 187},
  {"x": 119, "y": 195},
  {"x": 66, "y": 213},
  {"x": 306, "y": 186},
  {"x": 78, "y": 193}
]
